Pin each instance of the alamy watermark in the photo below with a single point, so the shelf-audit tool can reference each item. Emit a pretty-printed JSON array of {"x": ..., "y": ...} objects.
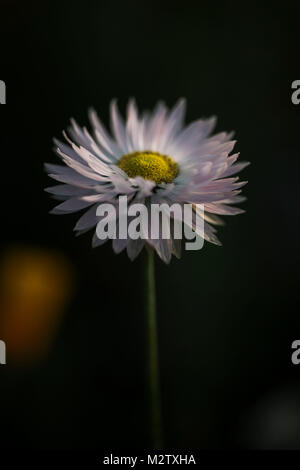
[
  {"x": 295, "y": 358},
  {"x": 154, "y": 222},
  {"x": 2, "y": 92},
  {"x": 296, "y": 94},
  {"x": 2, "y": 352}
]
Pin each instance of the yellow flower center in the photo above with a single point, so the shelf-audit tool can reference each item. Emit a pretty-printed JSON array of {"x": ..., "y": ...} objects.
[{"x": 150, "y": 166}]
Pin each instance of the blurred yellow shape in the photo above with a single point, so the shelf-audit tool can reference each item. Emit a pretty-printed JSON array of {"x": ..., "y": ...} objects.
[{"x": 35, "y": 285}]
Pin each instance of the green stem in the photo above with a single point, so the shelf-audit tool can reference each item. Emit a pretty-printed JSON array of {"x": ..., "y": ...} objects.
[{"x": 152, "y": 357}]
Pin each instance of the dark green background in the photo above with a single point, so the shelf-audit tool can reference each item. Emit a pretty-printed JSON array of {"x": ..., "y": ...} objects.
[{"x": 227, "y": 315}]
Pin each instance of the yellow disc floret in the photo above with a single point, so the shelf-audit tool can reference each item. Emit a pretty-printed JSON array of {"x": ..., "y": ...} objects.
[{"x": 150, "y": 166}]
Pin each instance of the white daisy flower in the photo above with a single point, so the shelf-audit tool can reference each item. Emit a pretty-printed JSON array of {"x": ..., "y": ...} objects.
[{"x": 150, "y": 158}]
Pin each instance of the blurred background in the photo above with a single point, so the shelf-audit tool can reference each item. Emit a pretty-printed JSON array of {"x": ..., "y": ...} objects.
[{"x": 72, "y": 317}]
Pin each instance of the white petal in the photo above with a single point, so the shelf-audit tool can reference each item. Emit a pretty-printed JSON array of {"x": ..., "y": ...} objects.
[
  {"x": 120, "y": 244},
  {"x": 132, "y": 127},
  {"x": 134, "y": 247},
  {"x": 67, "y": 190},
  {"x": 164, "y": 249},
  {"x": 88, "y": 220},
  {"x": 65, "y": 174},
  {"x": 106, "y": 142},
  {"x": 97, "y": 241},
  {"x": 118, "y": 127},
  {"x": 71, "y": 205},
  {"x": 192, "y": 135},
  {"x": 172, "y": 126},
  {"x": 235, "y": 169},
  {"x": 66, "y": 149},
  {"x": 155, "y": 127},
  {"x": 82, "y": 169},
  {"x": 222, "y": 209}
]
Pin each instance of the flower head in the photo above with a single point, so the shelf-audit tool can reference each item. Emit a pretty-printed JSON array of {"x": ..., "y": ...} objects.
[{"x": 151, "y": 158}]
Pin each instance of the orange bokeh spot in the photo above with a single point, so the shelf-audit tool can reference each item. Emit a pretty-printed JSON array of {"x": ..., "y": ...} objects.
[{"x": 35, "y": 285}]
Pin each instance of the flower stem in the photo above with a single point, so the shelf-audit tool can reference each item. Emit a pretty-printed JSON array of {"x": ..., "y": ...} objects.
[{"x": 152, "y": 356}]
